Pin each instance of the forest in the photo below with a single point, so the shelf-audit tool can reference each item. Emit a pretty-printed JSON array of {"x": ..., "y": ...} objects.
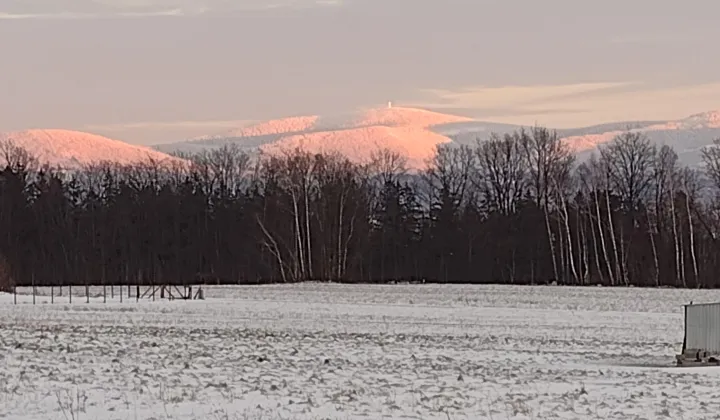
[{"x": 513, "y": 209}]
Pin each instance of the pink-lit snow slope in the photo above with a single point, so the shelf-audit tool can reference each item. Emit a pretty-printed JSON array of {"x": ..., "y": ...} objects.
[
  {"x": 357, "y": 136},
  {"x": 710, "y": 119},
  {"x": 73, "y": 149}
]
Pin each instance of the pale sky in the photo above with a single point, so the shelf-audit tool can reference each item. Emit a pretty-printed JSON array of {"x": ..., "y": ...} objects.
[{"x": 152, "y": 71}]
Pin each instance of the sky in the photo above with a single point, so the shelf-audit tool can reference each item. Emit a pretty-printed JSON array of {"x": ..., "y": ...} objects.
[{"x": 156, "y": 71}]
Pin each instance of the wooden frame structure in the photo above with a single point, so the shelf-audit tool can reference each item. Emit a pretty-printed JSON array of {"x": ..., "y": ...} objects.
[{"x": 170, "y": 292}]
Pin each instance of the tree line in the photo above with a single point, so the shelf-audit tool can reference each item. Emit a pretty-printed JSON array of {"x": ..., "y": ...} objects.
[{"x": 516, "y": 209}]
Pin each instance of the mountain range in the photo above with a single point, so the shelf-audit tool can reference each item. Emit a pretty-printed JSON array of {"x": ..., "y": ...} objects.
[{"x": 413, "y": 133}]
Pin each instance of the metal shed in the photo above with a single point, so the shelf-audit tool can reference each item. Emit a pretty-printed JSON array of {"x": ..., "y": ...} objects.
[{"x": 701, "y": 343}]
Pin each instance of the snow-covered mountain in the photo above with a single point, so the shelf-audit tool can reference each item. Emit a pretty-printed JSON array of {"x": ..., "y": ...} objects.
[
  {"x": 410, "y": 132},
  {"x": 688, "y": 136},
  {"x": 415, "y": 133},
  {"x": 73, "y": 149}
]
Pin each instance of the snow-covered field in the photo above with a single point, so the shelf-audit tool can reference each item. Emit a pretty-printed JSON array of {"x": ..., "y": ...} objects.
[{"x": 323, "y": 351}]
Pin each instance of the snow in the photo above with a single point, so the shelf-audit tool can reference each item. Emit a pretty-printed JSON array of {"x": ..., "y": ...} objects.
[
  {"x": 405, "y": 131},
  {"x": 323, "y": 351},
  {"x": 74, "y": 149},
  {"x": 415, "y": 133},
  {"x": 416, "y": 145},
  {"x": 357, "y": 135},
  {"x": 705, "y": 120},
  {"x": 267, "y": 128}
]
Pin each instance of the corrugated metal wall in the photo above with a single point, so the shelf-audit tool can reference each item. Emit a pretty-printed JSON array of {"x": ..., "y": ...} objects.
[{"x": 702, "y": 327}]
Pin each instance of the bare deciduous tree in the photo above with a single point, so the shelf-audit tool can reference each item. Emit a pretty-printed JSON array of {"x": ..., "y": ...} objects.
[{"x": 502, "y": 173}]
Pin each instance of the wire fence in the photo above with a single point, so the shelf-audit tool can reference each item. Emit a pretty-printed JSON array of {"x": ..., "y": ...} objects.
[{"x": 103, "y": 294}]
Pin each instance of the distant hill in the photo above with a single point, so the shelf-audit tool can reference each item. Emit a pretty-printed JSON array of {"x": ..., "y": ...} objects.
[
  {"x": 415, "y": 133},
  {"x": 687, "y": 136},
  {"x": 73, "y": 149},
  {"x": 357, "y": 135}
]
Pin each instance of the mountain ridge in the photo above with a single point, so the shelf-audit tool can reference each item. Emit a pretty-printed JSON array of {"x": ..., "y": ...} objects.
[
  {"x": 331, "y": 134},
  {"x": 68, "y": 149},
  {"x": 411, "y": 132}
]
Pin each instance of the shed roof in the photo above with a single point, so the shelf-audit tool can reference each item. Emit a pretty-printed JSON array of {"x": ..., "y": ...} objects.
[{"x": 703, "y": 304}]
